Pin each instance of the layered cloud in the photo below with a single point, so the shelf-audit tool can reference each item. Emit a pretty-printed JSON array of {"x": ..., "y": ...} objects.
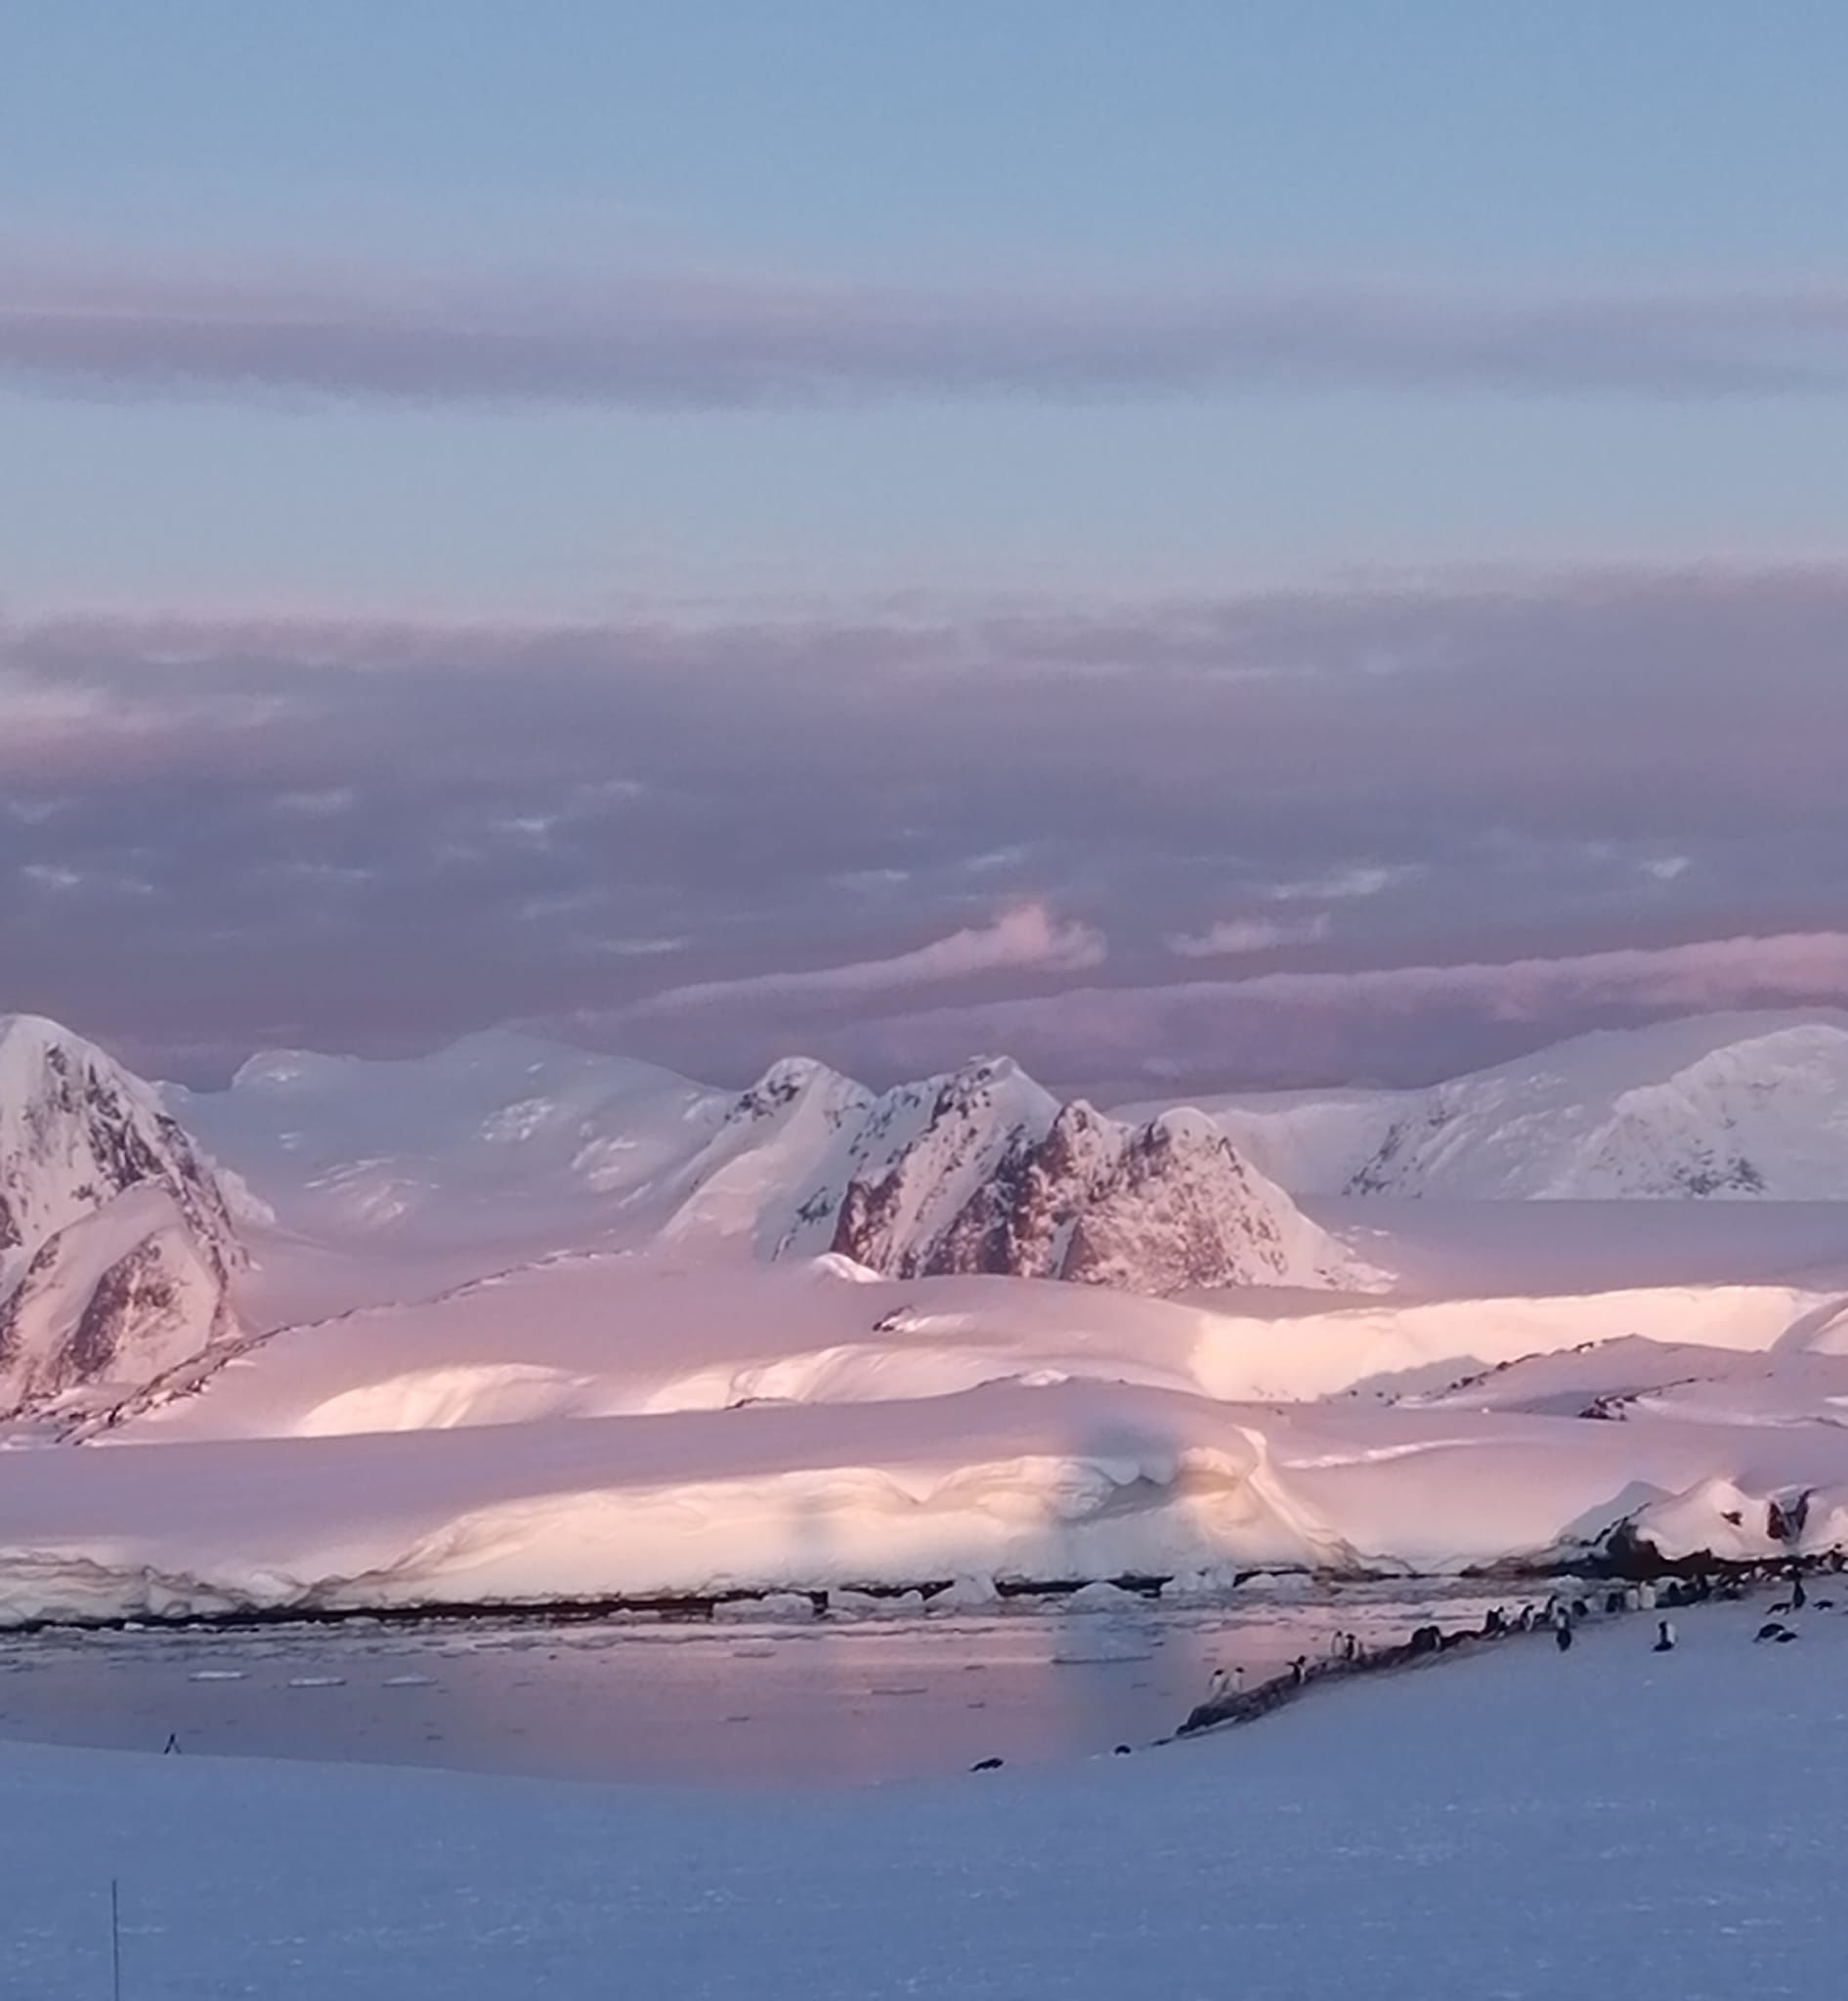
[
  {"x": 1446, "y": 809},
  {"x": 1026, "y": 938},
  {"x": 1279, "y": 1027},
  {"x": 655, "y": 341}
]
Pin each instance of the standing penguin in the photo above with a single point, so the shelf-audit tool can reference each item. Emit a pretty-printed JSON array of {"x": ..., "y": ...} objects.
[
  {"x": 1665, "y": 1637},
  {"x": 1562, "y": 1639}
]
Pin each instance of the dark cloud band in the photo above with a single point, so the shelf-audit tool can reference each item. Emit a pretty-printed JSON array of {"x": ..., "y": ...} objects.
[
  {"x": 714, "y": 841},
  {"x": 657, "y": 343}
]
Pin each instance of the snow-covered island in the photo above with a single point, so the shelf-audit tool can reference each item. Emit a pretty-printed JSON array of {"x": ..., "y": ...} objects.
[{"x": 517, "y": 1323}]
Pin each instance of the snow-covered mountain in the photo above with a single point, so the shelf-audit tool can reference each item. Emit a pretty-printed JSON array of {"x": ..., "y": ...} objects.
[
  {"x": 501, "y": 1140},
  {"x": 586, "y": 1329},
  {"x": 1718, "y": 1105},
  {"x": 1049, "y": 1190},
  {"x": 116, "y": 1240},
  {"x": 502, "y": 1148}
]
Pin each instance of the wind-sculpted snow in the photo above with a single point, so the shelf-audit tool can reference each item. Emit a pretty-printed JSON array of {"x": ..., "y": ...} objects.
[
  {"x": 609, "y": 1424},
  {"x": 595, "y": 1335},
  {"x": 1007, "y": 1482},
  {"x": 1721, "y": 1105}
]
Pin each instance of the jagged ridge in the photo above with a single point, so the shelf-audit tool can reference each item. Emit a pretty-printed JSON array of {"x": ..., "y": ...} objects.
[{"x": 115, "y": 1241}]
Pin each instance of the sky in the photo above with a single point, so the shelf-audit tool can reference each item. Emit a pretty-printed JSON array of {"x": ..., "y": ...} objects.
[{"x": 1203, "y": 546}]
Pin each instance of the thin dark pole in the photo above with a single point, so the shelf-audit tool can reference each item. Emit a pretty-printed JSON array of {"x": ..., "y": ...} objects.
[{"x": 115, "y": 1938}]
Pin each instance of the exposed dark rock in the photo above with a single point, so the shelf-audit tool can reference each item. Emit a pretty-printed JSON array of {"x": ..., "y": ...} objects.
[
  {"x": 1156, "y": 1208},
  {"x": 116, "y": 1240}
]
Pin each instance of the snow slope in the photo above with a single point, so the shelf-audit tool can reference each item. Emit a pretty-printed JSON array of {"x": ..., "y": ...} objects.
[
  {"x": 1717, "y": 1105},
  {"x": 885, "y": 1468},
  {"x": 1518, "y": 1824},
  {"x": 1070, "y": 1480},
  {"x": 615, "y": 1334},
  {"x": 497, "y": 1144},
  {"x": 610, "y": 1424}
]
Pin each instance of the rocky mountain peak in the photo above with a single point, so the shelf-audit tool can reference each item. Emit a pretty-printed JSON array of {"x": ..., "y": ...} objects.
[
  {"x": 1002, "y": 1177},
  {"x": 115, "y": 1235}
]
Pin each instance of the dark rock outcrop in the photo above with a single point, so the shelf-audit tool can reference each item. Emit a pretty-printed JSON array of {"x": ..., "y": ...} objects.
[{"x": 115, "y": 1241}]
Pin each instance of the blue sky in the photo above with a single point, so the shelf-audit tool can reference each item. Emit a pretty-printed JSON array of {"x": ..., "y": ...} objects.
[
  {"x": 1427, "y": 145},
  {"x": 811, "y": 322}
]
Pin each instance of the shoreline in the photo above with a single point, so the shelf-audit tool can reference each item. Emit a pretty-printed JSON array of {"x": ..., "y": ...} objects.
[
  {"x": 1619, "y": 1561},
  {"x": 1430, "y": 1645}
]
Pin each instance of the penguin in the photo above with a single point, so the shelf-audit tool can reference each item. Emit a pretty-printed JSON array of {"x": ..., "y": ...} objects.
[
  {"x": 1665, "y": 1637},
  {"x": 1562, "y": 1639},
  {"x": 1224, "y": 1684},
  {"x": 986, "y": 1765}
]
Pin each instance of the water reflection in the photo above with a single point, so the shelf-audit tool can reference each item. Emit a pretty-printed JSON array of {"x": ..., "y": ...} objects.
[{"x": 743, "y": 1700}]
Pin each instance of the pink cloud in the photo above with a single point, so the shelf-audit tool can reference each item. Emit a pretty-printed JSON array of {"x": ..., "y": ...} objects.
[
  {"x": 1024, "y": 938},
  {"x": 1234, "y": 935}
]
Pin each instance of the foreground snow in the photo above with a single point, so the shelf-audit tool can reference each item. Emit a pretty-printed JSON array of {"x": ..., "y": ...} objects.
[{"x": 1516, "y": 1826}]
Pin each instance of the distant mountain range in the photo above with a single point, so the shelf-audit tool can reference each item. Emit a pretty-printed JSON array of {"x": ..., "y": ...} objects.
[
  {"x": 1728, "y": 1105},
  {"x": 542, "y": 1147},
  {"x": 126, "y": 1214}
]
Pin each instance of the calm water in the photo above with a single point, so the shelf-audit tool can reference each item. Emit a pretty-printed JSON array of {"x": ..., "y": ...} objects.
[{"x": 739, "y": 1701}]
